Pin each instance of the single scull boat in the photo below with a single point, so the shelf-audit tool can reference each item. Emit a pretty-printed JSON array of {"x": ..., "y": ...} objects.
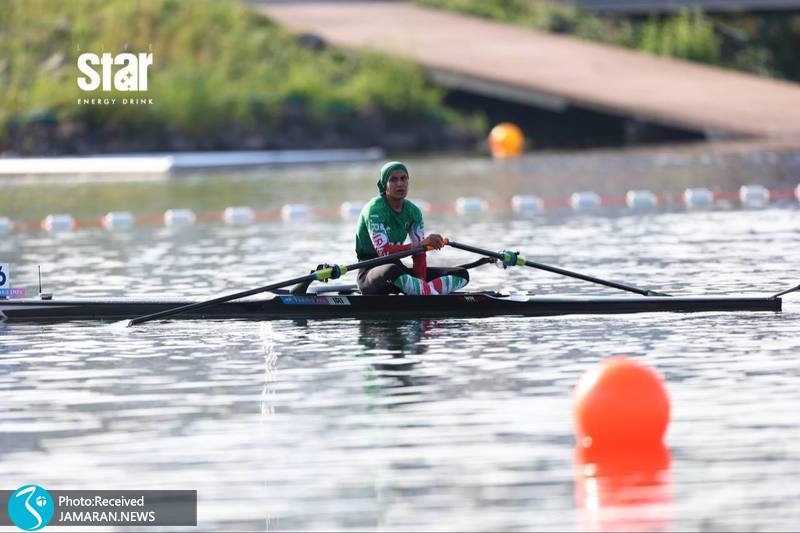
[{"x": 345, "y": 302}]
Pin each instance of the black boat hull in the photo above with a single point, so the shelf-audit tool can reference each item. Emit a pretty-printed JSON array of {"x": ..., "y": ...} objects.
[{"x": 359, "y": 306}]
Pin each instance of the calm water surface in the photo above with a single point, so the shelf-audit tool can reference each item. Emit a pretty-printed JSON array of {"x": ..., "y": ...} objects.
[{"x": 459, "y": 424}]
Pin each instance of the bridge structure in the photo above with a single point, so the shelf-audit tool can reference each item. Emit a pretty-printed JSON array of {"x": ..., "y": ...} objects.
[{"x": 554, "y": 72}]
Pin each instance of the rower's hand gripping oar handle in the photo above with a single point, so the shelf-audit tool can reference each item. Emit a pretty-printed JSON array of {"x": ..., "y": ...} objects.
[{"x": 326, "y": 272}]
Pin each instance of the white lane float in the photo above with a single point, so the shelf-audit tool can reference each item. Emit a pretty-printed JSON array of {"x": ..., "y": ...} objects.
[
  {"x": 238, "y": 215},
  {"x": 423, "y": 205},
  {"x": 641, "y": 200},
  {"x": 526, "y": 204},
  {"x": 59, "y": 222},
  {"x": 179, "y": 217},
  {"x": 294, "y": 212},
  {"x": 753, "y": 196},
  {"x": 350, "y": 210},
  {"x": 584, "y": 201},
  {"x": 118, "y": 220},
  {"x": 698, "y": 198},
  {"x": 470, "y": 205}
]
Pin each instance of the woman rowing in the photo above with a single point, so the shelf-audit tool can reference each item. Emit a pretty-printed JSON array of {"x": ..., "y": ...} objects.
[{"x": 383, "y": 226}]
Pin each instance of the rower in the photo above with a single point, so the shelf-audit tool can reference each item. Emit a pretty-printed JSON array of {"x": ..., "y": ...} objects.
[{"x": 383, "y": 226}]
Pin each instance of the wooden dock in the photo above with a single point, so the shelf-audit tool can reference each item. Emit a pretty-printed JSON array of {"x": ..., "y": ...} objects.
[{"x": 553, "y": 71}]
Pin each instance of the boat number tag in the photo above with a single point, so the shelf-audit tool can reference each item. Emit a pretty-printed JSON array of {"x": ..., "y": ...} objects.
[
  {"x": 4, "y": 280},
  {"x": 315, "y": 300}
]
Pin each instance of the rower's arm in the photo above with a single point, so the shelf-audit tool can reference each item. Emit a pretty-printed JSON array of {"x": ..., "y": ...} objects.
[
  {"x": 380, "y": 240},
  {"x": 417, "y": 233}
]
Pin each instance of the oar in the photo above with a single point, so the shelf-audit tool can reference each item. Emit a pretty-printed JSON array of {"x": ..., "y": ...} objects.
[
  {"x": 787, "y": 291},
  {"x": 514, "y": 259},
  {"x": 319, "y": 275}
]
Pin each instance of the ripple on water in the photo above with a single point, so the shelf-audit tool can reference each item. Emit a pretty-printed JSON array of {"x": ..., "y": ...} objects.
[{"x": 420, "y": 424}]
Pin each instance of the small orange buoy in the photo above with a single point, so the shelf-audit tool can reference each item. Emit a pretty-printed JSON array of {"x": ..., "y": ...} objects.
[
  {"x": 506, "y": 140},
  {"x": 620, "y": 402}
]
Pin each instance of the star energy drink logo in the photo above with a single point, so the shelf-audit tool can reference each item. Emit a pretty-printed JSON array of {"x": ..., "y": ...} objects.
[{"x": 123, "y": 72}]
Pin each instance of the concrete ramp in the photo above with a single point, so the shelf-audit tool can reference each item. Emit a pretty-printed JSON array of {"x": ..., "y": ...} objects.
[{"x": 554, "y": 71}]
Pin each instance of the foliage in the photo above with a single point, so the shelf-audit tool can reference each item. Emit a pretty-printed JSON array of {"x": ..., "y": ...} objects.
[
  {"x": 220, "y": 70},
  {"x": 687, "y": 35},
  {"x": 763, "y": 44}
]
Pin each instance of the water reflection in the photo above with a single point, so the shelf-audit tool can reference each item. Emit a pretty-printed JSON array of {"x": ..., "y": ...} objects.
[
  {"x": 397, "y": 337},
  {"x": 619, "y": 489}
]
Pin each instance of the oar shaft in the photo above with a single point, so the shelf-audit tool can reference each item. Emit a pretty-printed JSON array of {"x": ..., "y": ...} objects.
[
  {"x": 787, "y": 291},
  {"x": 474, "y": 249},
  {"x": 591, "y": 279},
  {"x": 369, "y": 263},
  {"x": 556, "y": 270},
  {"x": 221, "y": 299}
]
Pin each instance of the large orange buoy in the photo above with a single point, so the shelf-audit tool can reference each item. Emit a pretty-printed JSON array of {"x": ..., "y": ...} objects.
[
  {"x": 620, "y": 402},
  {"x": 506, "y": 140}
]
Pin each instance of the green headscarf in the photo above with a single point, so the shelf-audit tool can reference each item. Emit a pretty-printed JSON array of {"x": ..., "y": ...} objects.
[{"x": 386, "y": 170}]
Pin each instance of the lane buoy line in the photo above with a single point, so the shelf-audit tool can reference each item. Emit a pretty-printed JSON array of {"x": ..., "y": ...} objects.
[{"x": 748, "y": 196}]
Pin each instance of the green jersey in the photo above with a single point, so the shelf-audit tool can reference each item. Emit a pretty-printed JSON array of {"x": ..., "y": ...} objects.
[{"x": 382, "y": 230}]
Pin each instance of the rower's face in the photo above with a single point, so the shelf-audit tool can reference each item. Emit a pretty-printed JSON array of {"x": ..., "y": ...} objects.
[{"x": 397, "y": 184}]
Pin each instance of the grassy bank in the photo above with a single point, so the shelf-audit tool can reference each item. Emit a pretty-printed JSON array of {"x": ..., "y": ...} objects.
[
  {"x": 763, "y": 44},
  {"x": 223, "y": 77}
]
